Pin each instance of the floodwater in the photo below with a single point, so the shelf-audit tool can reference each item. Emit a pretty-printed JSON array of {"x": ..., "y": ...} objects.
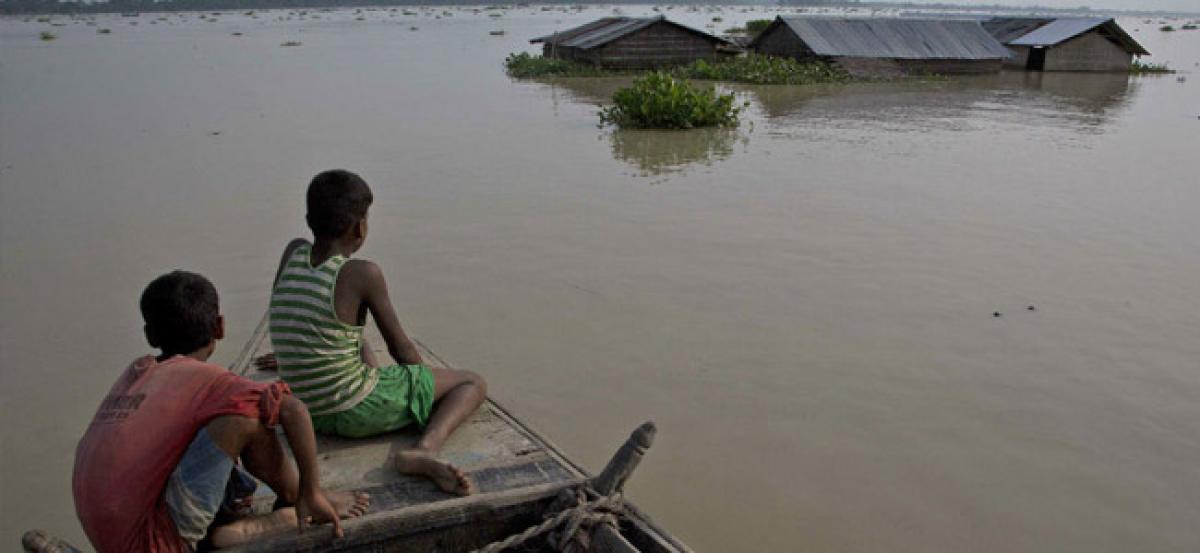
[{"x": 803, "y": 304}]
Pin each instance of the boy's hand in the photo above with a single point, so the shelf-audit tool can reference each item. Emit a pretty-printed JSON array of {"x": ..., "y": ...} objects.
[
  {"x": 267, "y": 362},
  {"x": 315, "y": 507}
]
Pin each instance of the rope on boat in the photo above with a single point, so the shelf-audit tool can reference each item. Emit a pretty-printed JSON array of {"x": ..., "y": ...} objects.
[{"x": 602, "y": 510}]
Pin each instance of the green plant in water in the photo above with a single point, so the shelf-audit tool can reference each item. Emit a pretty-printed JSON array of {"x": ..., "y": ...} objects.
[
  {"x": 524, "y": 65},
  {"x": 47, "y": 35},
  {"x": 1166, "y": 28},
  {"x": 1139, "y": 67},
  {"x": 660, "y": 101},
  {"x": 755, "y": 26},
  {"x": 760, "y": 69}
]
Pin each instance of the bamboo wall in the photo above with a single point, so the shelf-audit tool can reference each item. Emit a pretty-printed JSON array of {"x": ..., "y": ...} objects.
[
  {"x": 781, "y": 41},
  {"x": 1088, "y": 52}
]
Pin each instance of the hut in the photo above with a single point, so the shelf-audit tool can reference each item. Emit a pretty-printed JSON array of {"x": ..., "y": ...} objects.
[
  {"x": 875, "y": 46},
  {"x": 1065, "y": 43},
  {"x": 633, "y": 43}
]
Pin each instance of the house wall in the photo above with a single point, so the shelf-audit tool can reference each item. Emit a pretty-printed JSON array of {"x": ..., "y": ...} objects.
[
  {"x": 949, "y": 67},
  {"x": 658, "y": 45},
  {"x": 1020, "y": 57},
  {"x": 782, "y": 42},
  {"x": 1088, "y": 52}
]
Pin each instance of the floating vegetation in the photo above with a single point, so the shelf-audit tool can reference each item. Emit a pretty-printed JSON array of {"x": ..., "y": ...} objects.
[
  {"x": 755, "y": 26},
  {"x": 291, "y": 43},
  {"x": 47, "y": 35},
  {"x": 760, "y": 69},
  {"x": 524, "y": 65},
  {"x": 660, "y": 101},
  {"x": 1189, "y": 27},
  {"x": 1140, "y": 67},
  {"x": 1166, "y": 28}
]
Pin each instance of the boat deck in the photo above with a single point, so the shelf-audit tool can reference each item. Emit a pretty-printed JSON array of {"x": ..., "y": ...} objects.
[{"x": 508, "y": 462}]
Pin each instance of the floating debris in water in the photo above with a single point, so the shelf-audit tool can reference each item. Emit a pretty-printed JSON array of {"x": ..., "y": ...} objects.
[
  {"x": 997, "y": 314},
  {"x": 1031, "y": 308},
  {"x": 291, "y": 43},
  {"x": 215, "y": 133},
  {"x": 413, "y": 28},
  {"x": 237, "y": 34},
  {"x": 496, "y": 33},
  {"x": 47, "y": 35},
  {"x": 104, "y": 31}
]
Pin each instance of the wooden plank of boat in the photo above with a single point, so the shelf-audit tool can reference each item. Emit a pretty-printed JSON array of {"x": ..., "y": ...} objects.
[{"x": 521, "y": 477}]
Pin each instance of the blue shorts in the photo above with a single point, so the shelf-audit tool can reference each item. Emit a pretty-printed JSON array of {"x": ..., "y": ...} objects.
[{"x": 206, "y": 487}]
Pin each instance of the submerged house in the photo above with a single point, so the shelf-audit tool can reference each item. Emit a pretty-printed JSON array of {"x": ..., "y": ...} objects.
[
  {"x": 633, "y": 43},
  {"x": 1065, "y": 43},
  {"x": 878, "y": 46}
]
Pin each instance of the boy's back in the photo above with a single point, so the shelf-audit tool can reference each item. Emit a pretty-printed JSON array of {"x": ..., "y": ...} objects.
[
  {"x": 319, "y": 355},
  {"x": 137, "y": 438}
]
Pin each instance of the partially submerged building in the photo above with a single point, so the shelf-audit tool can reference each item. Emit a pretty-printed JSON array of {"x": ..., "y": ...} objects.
[
  {"x": 878, "y": 46},
  {"x": 1065, "y": 43},
  {"x": 633, "y": 43}
]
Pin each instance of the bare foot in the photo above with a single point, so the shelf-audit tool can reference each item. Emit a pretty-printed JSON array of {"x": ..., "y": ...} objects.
[
  {"x": 253, "y": 527},
  {"x": 424, "y": 463},
  {"x": 349, "y": 504}
]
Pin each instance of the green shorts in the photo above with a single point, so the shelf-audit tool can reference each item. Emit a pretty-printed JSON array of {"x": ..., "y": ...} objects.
[{"x": 403, "y": 396}]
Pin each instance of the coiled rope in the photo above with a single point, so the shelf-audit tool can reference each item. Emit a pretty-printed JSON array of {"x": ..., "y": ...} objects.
[{"x": 602, "y": 510}]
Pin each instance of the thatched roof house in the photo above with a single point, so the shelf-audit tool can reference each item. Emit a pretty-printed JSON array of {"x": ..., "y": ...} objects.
[
  {"x": 1065, "y": 43},
  {"x": 633, "y": 43},
  {"x": 878, "y": 45}
]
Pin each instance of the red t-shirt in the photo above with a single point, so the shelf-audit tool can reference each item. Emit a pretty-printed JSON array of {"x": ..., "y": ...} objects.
[{"x": 140, "y": 433}]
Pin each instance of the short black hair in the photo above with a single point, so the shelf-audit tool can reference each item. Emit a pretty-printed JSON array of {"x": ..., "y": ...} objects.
[
  {"x": 180, "y": 310},
  {"x": 337, "y": 199}
]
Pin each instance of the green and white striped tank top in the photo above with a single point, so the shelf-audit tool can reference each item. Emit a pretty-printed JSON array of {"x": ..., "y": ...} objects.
[{"x": 319, "y": 356}]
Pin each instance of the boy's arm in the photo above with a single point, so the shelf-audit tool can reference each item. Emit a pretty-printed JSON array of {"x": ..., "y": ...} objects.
[
  {"x": 312, "y": 503},
  {"x": 373, "y": 289}
]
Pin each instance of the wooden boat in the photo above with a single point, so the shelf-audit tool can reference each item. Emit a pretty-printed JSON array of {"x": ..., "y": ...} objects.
[{"x": 523, "y": 481}]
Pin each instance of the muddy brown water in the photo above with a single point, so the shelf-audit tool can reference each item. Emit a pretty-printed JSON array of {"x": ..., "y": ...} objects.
[{"x": 804, "y": 304}]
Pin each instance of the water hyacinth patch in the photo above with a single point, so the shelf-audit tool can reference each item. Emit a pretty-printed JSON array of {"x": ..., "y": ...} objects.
[
  {"x": 524, "y": 65},
  {"x": 1140, "y": 67},
  {"x": 660, "y": 101}
]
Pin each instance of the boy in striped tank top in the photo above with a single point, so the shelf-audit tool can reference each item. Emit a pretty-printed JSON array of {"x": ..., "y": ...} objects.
[{"x": 318, "y": 308}]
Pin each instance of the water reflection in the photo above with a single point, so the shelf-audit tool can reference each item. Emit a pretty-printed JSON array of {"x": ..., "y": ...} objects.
[
  {"x": 656, "y": 153},
  {"x": 1084, "y": 102}
]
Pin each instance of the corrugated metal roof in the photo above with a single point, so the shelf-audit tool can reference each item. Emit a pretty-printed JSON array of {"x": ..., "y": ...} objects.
[
  {"x": 896, "y": 38},
  {"x": 1063, "y": 29},
  {"x": 608, "y": 29},
  {"x": 1005, "y": 29},
  {"x": 576, "y": 31},
  {"x": 1058, "y": 31}
]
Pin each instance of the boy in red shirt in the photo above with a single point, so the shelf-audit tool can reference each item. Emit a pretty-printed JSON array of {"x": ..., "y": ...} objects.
[{"x": 159, "y": 462}]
